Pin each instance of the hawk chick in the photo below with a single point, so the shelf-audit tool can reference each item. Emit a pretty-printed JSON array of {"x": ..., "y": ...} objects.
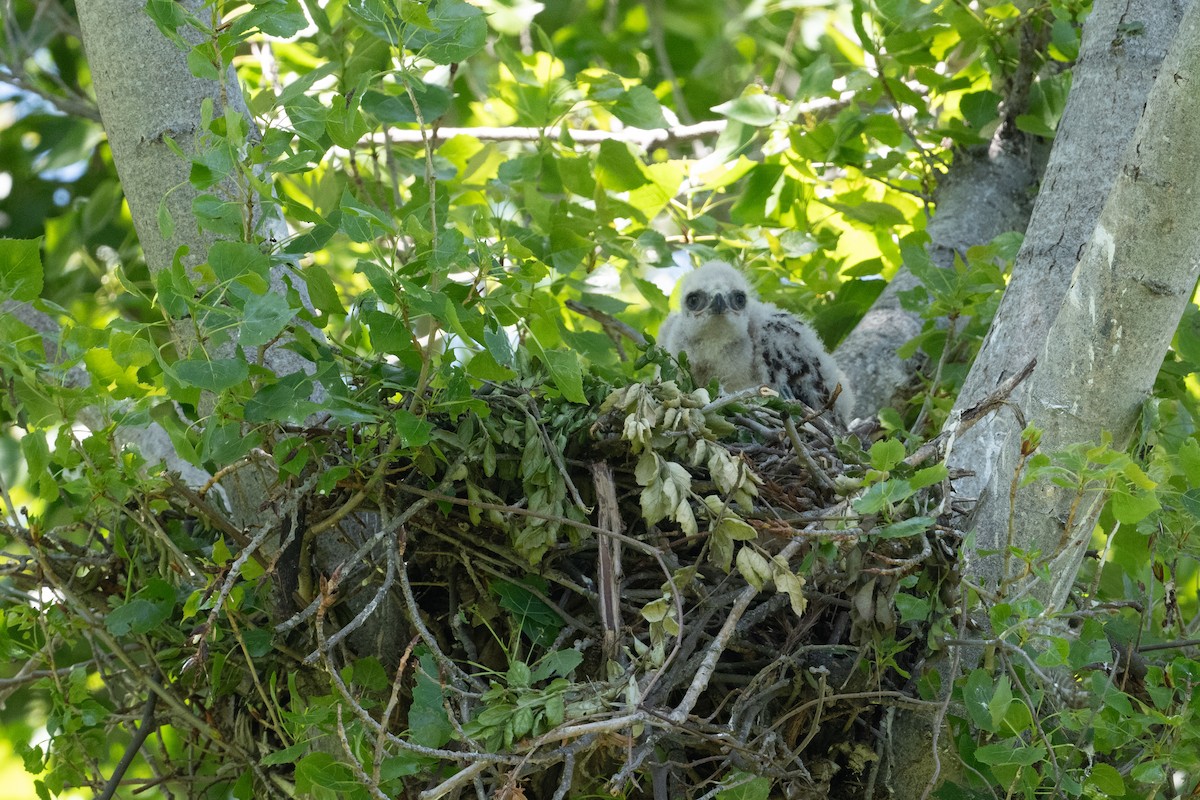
[{"x": 730, "y": 335}]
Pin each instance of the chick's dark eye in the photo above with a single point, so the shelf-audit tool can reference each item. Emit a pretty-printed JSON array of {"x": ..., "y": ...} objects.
[
  {"x": 737, "y": 300},
  {"x": 695, "y": 301}
]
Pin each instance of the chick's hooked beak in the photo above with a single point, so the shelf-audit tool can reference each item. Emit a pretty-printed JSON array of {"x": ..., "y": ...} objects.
[{"x": 718, "y": 304}]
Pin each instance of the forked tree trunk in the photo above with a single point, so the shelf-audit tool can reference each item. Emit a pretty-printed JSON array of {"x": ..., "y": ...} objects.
[
  {"x": 1112, "y": 327},
  {"x": 1098, "y": 327},
  {"x": 1123, "y": 47}
]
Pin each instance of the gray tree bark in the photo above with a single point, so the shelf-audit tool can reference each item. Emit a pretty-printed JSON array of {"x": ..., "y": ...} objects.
[
  {"x": 986, "y": 193},
  {"x": 146, "y": 92},
  {"x": 1112, "y": 82},
  {"x": 1110, "y": 331},
  {"x": 1123, "y": 46}
]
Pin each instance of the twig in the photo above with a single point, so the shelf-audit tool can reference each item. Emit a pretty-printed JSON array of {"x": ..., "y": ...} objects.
[
  {"x": 919, "y": 423},
  {"x": 372, "y": 725},
  {"x": 608, "y": 578},
  {"x": 564, "y": 783},
  {"x": 393, "y": 701},
  {"x": 210, "y": 514},
  {"x": 468, "y": 773},
  {"x": 636, "y": 136},
  {"x": 556, "y": 456},
  {"x": 135, "y": 744},
  {"x": 760, "y": 392},
  {"x": 367, "y": 610},
  {"x": 95, "y": 627},
  {"x": 610, "y": 323},
  {"x": 637, "y": 544},
  {"x": 971, "y": 416},
  {"x": 719, "y": 643},
  {"x": 806, "y": 460},
  {"x": 939, "y": 717},
  {"x": 1149, "y": 648},
  {"x": 414, "y": 616},
  {"x": 364, "y": 779},
  {"x": 815, "y": 726},
  {"x": 654, "y": 11}
]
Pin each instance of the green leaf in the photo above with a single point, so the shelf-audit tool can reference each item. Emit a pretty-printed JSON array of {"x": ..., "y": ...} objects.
[
  {"x": 286, "y": 400},
  {"x": 1107, "y": 779},
  {"x": 20, "y": 269},
  {"x": 370, "y": 674},
  {"x": 533, "y": 617},
  {"x": 1132, "y": 507},
  {"x": 789, "y": 583},
  {"x": 168, "y": 16},
  {"x": 618, "y": 169},
  {"x": 483, "y": 366},
  {"x": 909, "y": 527},
  {"x": 1001, "y": 699},
  {"x": 639, "y": 108},
  {"x": 231, "y": 261},
  {"x": 388, "y": 334},
  {"x": 433, "y": 102},
  {"x": 144, "y": 612},
  {"x": 877, "y": 215},
  {"x": 264, "y": 318},
  {"x": 287, "y": 755},
  {"x": 428, "y": 724},
  {"x": 414, "y": 431},
  {"x": 559, "y": 662},
  {"x": 753, "y": 566},
  {"x": 200, "y": 62},
  {"x": 886, "y": 454},
  {"x": 742, "y": 786},
  {"x": 498, "y": 345},
  {"x": 258, "y": 640},
  {"x": 321, "y": 291},
  {"x": 459, "y": 32},
  {"x": 1003, "y": 753},
  {"x": 214, "y": 375},
  {"x": 928, "y": 476},
  {"x": 345, "y": 123},
  {"x": 756, "y": 110},
  {"x": 319, "y": 771},
  {"x": 166, "y": 225},
  {"x": 977, "y": 697},
  {"x": 282, "y": 19},
  {"x": 566, "y": 373},
  {"x": 174, "y": 288},
  {"x": 519, "y": 675},
  {"x": 883, "y": 496}
]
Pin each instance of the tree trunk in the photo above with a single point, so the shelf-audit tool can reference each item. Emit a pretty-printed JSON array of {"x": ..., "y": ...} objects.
[
  {"x": 146, "y": 93},
  {"x": 984, "y": 195},
  {"x": 1111, "y": 82},
  {"x": 1106, "y": 343}
]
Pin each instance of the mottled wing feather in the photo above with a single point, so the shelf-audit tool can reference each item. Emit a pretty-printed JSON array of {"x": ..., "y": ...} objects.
[{"x": 790, "y": 353}]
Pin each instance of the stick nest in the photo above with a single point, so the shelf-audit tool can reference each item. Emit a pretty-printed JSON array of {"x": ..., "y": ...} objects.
[{"x": 671, "y": 596}]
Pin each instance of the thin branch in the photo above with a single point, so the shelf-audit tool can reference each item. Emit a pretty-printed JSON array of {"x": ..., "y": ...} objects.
[
  {"x": 608, "y": 577},
  {"x": 135, "y": 744},
  {"x": 611, "y": 324},
  {"x": 464, "y": 775},
  {"x": 971, "y": 416},
  {"x": 635, "y": 136}
]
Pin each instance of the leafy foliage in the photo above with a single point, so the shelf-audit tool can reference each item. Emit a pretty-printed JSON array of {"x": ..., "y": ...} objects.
[{"x": 412, "y": 596}]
